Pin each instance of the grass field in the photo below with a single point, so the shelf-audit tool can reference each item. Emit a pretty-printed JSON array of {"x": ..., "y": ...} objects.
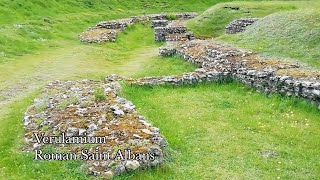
[
  {"x": 287, "y": 29},
  {"x": 27, "y": 27},
  {"x": 213, "y": 130},
  {"x": 293, "y": 34},
  {"x": 134, "y": 50},
  {"x": 133, "y": 55}
]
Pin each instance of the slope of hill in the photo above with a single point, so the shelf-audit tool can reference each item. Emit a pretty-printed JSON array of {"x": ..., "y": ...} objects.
[
  {"x": 293, "y": 34},
  {"x": 26, "y": 26},
  {"x": 286, "y": 29},
  {"x": 213, "y": 21}
]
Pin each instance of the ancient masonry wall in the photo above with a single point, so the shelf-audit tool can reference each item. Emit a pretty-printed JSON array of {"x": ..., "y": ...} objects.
[
  {"x": 108, "y": 30},
  {"x": 112, "y": 117},
  {"x": 240, "y": 25},
  {"x": 219, "y": 62},
  {"x": 117, "y": 117},
  {"x": 173, "y": 31}
]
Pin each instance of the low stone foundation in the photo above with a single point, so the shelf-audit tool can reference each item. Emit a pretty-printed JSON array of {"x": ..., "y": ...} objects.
[
  {"x": 239, "y": 25},
  {"x": 174, "y": 31},
  {"x": 103, "y": 34},
  {"x": 93, "y": 109},
  {"x": 217, "y": 60},
  {"x": 223, "y": 62},
  {"x": 88, "y": 121},
  {"x": 200, "y": 75},
  {"x": 159, "y": 23},
  {"x": 108, "y": 30}
]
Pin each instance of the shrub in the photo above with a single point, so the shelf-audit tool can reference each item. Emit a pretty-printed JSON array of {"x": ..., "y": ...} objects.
[
  {"x": 99, "y": 94},
  {"x": 171, "y": 17}
]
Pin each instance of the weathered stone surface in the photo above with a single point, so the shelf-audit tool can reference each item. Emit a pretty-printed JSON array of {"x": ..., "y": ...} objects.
[
  {"x": 132, "y": 165},
  {"x": 99, "y": 35},
  {"x": 108, "y": 30},
  {"x": 119, "y": 169},
  {"x": 220, "y": 62},
  {"x": 117, "y": 111},
  {"x": 71, "y": 131},
  {"x": 185, "y": 16},
  {"x": 116, "y": 24},
  {"x": 71, "y": 108},
  {"x": 92, "y": 127},
  {"x": 108, "y": 175},
  {"x": 174, "y": 31},
  {"x": 167, "y": 50},
  {"x": 264, "y": 74},
  {"x": 159, "y": 23},
  {"x": 239, "y": 25}
]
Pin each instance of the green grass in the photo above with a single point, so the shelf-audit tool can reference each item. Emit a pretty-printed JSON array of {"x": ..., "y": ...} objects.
[
  {"x": 288, "y": 29},
  {"x": 46, "y": 24},
  {"x": 99, "y": 94},
  {"x": 134, "y": 54},
  {"x": 293, "y": 34},
  {"x": 213, "y": 130},
  {"x": 213, "y": 21},
  {"x": 37, "y": 9},
  {"x": 160, "y": 66},
  {"x": 15, "y": 164},
  {"x": 216, "y": 130}
]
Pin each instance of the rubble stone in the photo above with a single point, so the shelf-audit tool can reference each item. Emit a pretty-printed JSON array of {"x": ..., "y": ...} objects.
[
  {"x": 239, "y": 25},
  {"x": 85, "y": 117},
  {"x": 108, "y": 30}
]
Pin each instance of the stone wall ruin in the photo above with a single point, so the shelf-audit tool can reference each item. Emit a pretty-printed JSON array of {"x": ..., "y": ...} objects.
[
  {"x": 70, "y": 108},
  {"x": 108, "y": 30},
  {"x": 239, "y": 25},
  {"x": 117, "y": 117}
]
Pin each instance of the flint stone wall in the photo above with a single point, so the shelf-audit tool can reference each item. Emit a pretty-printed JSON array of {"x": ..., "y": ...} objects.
[
  {"x": 181, "y": 16},
  {"x": 239, "y": 25},
  {"x": 186, "y": 15},
  {"x": 159, "y": 23},
  {"x": 223, "y": 62},
  {"x": 114, "y": 117},
  {"x": 200, "y": 75},
  {"x": 98, "y": 33},
  {"x": 175, "y": 31},
  {"x": 116, "y": 24}
]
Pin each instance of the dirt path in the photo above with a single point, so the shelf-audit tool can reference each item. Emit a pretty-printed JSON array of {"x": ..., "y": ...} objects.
[{"x": 75, "y": 61}]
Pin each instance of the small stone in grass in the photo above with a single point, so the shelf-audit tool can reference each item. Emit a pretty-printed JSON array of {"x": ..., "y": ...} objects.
[{"x": 132, "y": 165}]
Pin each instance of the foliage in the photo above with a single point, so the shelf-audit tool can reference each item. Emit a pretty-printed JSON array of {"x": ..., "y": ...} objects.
[
  {"x": 172, "y": 17},
  {"x": 99, "y": 94}
]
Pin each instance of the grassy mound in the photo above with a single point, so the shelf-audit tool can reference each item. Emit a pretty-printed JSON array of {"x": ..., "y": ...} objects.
[
  {"x": 286, "y": 29},
  {"x": 293, "y": 34},
  {"x": 213, "y": 21}
]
